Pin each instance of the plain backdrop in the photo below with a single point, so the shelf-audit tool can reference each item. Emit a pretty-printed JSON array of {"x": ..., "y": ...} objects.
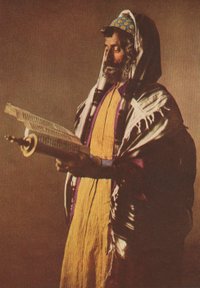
[{"x": 50, "y": 56}]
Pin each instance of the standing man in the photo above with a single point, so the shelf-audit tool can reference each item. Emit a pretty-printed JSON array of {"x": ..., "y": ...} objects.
[{"x": 129, "y": 202}]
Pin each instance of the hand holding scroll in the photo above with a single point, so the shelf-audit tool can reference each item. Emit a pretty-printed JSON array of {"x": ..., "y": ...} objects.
[{"x": 80, "y": 165}]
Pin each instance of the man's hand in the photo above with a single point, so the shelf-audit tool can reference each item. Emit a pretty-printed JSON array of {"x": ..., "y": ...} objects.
[
  {"x": 80, "y": 165},
  {"x": 84, "y": 165}
]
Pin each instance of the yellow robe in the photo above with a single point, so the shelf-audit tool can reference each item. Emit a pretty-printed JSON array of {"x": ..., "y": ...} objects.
[{"x": 86, "y": 263}]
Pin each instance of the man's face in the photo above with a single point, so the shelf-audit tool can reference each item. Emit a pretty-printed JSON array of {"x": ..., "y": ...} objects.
[{"x": 114, "y": 58}]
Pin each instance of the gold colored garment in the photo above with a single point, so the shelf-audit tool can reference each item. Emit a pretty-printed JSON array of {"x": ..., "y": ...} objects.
[{"x": 85, "y": 263}]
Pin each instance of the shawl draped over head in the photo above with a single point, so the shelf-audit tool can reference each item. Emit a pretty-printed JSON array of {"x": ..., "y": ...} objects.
[{"x": 150, "y": 138}]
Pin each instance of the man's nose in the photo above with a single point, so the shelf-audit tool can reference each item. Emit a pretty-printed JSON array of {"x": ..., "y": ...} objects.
[{"x": 109, "y": 55}]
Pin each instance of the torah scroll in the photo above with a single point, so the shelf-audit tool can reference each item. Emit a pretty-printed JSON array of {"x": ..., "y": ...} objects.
[{"x": 44, "y": 137}]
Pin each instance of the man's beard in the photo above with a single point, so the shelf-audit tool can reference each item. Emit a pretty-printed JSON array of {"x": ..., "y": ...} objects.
[{"x": 115, "y": 72}]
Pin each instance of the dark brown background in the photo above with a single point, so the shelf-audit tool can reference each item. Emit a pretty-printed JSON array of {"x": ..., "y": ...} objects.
[{"x": 50, "y": 55}]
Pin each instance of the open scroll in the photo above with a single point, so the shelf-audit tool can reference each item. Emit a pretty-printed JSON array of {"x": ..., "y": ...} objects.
[{"x": 44, "y": 136}]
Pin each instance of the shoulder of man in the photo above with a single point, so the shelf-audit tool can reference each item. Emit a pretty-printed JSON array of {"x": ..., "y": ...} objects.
[
  {"x": 152, "y": 92},
  {"x": 151, "y": 98}
]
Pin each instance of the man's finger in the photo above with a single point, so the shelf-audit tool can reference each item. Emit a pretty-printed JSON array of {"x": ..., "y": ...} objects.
[
  {"x": 58, "y": 161},
  {"x": 61, "y": 168}
]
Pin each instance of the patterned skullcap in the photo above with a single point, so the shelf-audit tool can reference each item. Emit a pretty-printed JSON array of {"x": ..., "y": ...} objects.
[{"x": 124, "y": 22}]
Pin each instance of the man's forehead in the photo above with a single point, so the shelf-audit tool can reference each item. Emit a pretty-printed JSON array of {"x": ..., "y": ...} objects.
[{"x": 114, "y": 39}]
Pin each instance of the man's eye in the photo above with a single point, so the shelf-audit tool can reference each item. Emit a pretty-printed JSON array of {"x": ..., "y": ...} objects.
[{"x": 117, "y": 49}]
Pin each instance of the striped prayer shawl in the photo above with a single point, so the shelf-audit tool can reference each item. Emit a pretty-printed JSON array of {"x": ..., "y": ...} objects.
[{"x": 152, "y": 115}]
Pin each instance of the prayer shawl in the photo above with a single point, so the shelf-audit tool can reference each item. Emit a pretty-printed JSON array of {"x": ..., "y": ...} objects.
[
  {"x": 153, "y": 128},
  {"x": 149, "y": 136}
]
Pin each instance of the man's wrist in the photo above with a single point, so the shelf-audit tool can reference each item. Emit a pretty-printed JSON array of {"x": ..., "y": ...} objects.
[
  {"x": 104, "y": 167},
  {"x": 101, "y": 162}
]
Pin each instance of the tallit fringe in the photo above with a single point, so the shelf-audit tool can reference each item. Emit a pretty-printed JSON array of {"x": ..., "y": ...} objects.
[{"x": 149, "y": 120}]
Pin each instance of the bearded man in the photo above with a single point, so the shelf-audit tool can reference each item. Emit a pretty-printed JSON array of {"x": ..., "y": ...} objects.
[{"x": 129, "y": 202}]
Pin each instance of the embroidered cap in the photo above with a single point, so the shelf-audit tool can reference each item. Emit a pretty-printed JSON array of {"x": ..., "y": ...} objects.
[{"x": 123, "y": 22}]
